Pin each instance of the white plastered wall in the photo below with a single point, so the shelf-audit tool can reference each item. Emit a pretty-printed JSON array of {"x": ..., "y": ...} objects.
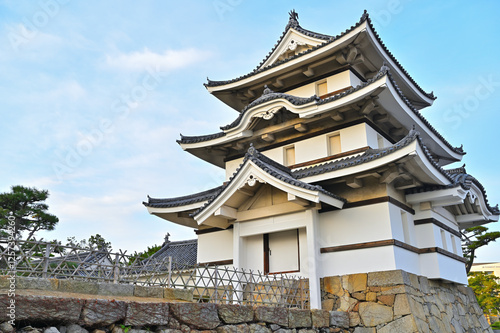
[
  {"x": 352, "y": 226},
  {"x": 358, "y": 261},
  {"x": 437, "y": 266},
  {"x": 351, "y": 138},
  {"x": 215, "y": 246},
  {"x": 355, "y": 225},
  {"x": 429, "y": 235},
  {"x": 372, "y": 137},
  {"x": 334, "y": 83},
  {"x": 396, "y": 216}
]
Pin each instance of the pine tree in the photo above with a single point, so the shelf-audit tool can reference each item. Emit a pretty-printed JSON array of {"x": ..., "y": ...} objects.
[{"x": 27, "y": 205}]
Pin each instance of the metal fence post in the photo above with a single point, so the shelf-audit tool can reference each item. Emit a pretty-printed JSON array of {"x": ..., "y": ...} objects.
[
  {"x": 169, "y": 271},
  {"x": 116, "y": 269},
  {"x": 46, "y": 257}
]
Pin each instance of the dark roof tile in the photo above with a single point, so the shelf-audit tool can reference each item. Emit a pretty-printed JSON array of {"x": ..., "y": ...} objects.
[
  {"x": 181, "y": 201},
  {"x": 328, "y": 39},
  {"x": 183, "y": 253},
  {"x": 459, "y": 177}
]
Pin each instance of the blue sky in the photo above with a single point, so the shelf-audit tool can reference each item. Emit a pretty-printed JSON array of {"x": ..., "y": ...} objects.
[{"x": 94, "y": 94}]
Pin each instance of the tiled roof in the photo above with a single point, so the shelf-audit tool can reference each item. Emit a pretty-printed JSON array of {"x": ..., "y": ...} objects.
[
  {"x": 328, "y": 40},
  {"x": 183, "y": 253},
  {"x": 89, "y": 257},
  {"x": 458, "y": 150},
  {"x": 181, "y": 201},
  {"x": 84, "y": 260},
  {"x": 269, "y": 95},
  {"x": 274, "y": 169},
  {"x": 367, "y": 156},
  {"x": 294, "y": 23},
  {"x": 200, "y": 138},
  {"x": 384, "y": 70},
  {"x": 459, "y": 177}
]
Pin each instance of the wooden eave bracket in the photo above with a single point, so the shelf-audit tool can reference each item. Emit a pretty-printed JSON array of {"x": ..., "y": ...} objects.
[
  {"x": 226, "y": 212},
  {"x": 354, "y": 182},
  {"x": 301, "y": 127},
  {"x": 299, "y": 201}
]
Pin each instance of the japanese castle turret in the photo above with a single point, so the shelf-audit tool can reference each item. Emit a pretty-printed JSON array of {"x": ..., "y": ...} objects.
[{"x": 331, "y": 169}]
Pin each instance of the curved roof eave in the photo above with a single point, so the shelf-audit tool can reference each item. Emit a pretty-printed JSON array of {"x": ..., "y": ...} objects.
[
  {"x": 374, "y": 158},
  {"x": 363, "y": 24},
  {"x": 187, "y": 202},
  {"x": 307, "y": 107},
  {"x": 460, "y": 178},
  {"x": 269, "y": 171},
  {"x": 215, "y": 86},
  {"x": 301, "y": 105}
]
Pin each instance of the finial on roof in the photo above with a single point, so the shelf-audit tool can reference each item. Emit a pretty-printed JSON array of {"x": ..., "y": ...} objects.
[
  {"x": 364, "y": 16},
  {"x": 167, "y": 238},
  {"x": 251, "y": 150},
  {"x": 267, "y": 90},
  {"x": 413, "y": 132},
  {"x": 384, "y": 67},
  {"x": 293, "y": 21}
]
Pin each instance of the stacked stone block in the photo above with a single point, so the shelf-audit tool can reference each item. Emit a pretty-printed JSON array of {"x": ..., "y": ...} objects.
[
  {"x": 102, "y": 314},
  {"x": 397, "y": 301}
]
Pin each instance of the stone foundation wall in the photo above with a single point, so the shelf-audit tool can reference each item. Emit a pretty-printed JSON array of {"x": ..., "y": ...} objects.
[
  {"x": 397, "y": 301},
  {"x": 119, "y": 316},
  {"x": 380, "y": 302}
]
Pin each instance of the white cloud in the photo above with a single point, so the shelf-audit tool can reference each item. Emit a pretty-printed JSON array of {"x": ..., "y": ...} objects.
[{"x": 166, "y": 61}]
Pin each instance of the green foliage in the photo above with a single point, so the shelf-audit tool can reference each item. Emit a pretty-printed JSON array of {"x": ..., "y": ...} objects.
[
  {"x": 487, "y": 291},
  {"x": 29, "y": 209},
  {"x": 496, "y": 325},
  {"x": 125, "y": 328},
  {"x": 145, "y": 254},
  {"x": 39, "y": 250},
  {"x": 94, "y": 242},
  {"x": 474, "y": 238}
]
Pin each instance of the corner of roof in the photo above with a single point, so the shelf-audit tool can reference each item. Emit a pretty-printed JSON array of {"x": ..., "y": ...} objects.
[{"x": 366, "y": 17}]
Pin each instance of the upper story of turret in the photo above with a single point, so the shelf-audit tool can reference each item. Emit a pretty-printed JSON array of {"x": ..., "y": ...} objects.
[
  {"x": 305, "y": 58},
  {"x": 340, "y": 94}
]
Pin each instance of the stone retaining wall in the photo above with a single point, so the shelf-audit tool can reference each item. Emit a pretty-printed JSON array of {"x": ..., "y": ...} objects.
[
  {"x": 163, "y": 317},
  {"x": 97, "y": 288},
  {"x": 380, "y": 302},
  {"x": 397, "y": 301}
]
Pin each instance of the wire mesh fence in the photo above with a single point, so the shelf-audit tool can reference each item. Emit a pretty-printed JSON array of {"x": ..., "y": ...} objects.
[{"x": 215, "y": 284}]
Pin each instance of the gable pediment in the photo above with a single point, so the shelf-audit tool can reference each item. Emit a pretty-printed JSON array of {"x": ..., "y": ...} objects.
[
  {"x": 262, "y": 188},
  {"x": 290, "y": 45}
]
